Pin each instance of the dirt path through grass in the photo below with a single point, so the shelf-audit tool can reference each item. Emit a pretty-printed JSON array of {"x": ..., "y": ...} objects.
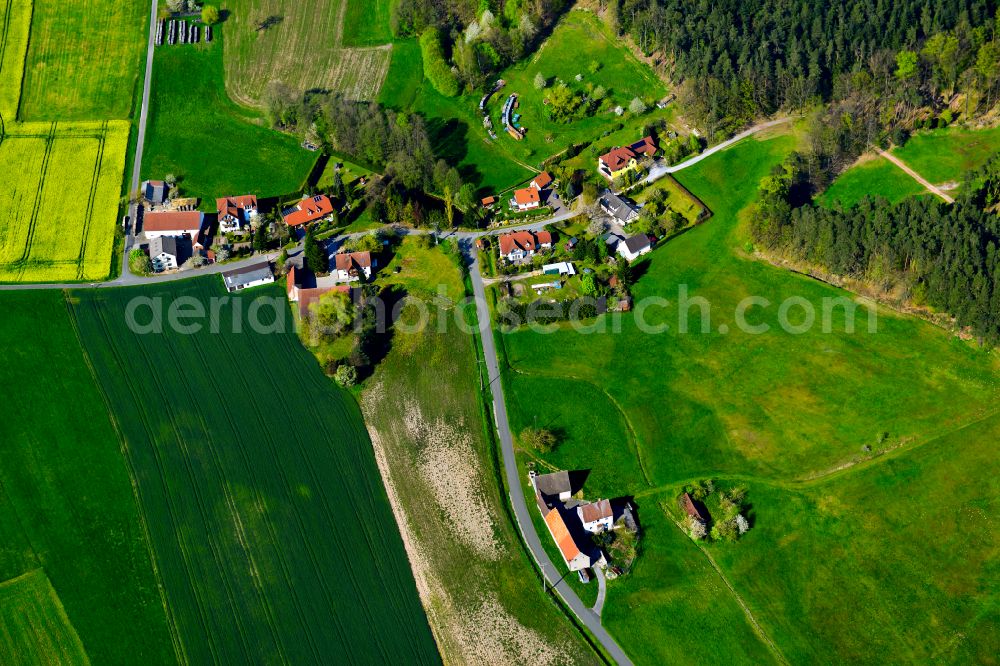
[{"x": 916, "y": 176}]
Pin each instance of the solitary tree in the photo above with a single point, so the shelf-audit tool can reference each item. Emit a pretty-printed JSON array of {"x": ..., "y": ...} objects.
[
  {"x": 260, "y": 237},
  {"x": 210, "y": 14},
  {"x": 139, "y": 263},
  {"x": 637, "y": 106},
  {"x": 540, "y": 439},
  {"x": 540, "y": 81},
  {"x": 346, "y": 375},
  {"x": 315, "y": 255}
]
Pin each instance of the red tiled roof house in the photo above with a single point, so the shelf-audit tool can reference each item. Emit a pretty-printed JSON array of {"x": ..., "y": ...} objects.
[
  {"x": 236, "y": 212},
  {"x": 173, "y": 223},
  {"x": 308, "y": 210},
  {"x": 523, "y": 244},
  {"x": 526, "y": 199},
  {"x": 353, "y": 265},
  {"x": 621, "y": 159}
]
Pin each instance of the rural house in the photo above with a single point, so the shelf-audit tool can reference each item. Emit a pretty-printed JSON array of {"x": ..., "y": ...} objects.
[
  {"x": 596, "y": 516},
  {"x": 155, "y": 191},
  {"x": 489, "y": 201},
  {"x": 253, "y": 275},
  {"x": 693, "y": 510},
  {"x": 526, "y": 199},
  {"x": 571, "y": 552},
  {"x": 520, "y": 245},
  {"x": 167, "y": 253},
  {"x": 301, "y": 288},
  {"x": 618, "y": 207},
  {"x": 308, "y": 210},
  {"x": 634, "y": 247},
  {"x": 173, "y": 223},
  {"x": 541, "y": 181},
  {"x": 236, "y": 212},
  {"x": 618, "y": 160},
  {"x": 353, "y": 265}
]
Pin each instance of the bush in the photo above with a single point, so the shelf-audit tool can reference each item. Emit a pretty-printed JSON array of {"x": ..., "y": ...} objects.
[
  {"x": 210, "y": 14},
  {"x": 139, "y": 262},
  {"x": 637, "y": 106},
  {"x": 436, "y": 68},
  {"x": 540, "y": 81},
  {"x": 346, "y": 375}
]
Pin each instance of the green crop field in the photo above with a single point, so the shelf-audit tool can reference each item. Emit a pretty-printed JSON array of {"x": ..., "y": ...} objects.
[
  {"x": 42, "y": 237},
  {"x": 84, "y": 59},
  {"x": 439, "y": 463},
  {"x": 646, "y": 412},
  {"x": 68, "y": 510},
  {"x": 876, "y": 177},
  {"x": 943, "y": 156},
  {"x": 273, "y": 536},
  {"x": 212, "y": 146},
  {"x": 35, "y": 629},
  {"x": 15, "y": 21},
  {"x": 305, "y": 49}
]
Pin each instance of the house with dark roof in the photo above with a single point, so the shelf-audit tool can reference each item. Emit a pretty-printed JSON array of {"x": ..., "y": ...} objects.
[
  {"x": 634, "y": 247},
  {"x": 308, "y": 210},
  {"x": 352, "y": 266},
  {"x": 618, "y": 207},
  {"x": 236, "y": 213},
  {"x": 155, "y": 191},
  {"x": 167, "y": 253},
  {"x": 596, "y": 516},
  {"x": 253, "y": 275},
  {"x": 621, "y": 159}
]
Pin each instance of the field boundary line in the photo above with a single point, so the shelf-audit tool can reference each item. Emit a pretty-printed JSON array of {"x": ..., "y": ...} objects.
[
  {"x": 736, "y": 595},
  {"x": 89, "y": 214},
  {"x": 123, "y": 447}
]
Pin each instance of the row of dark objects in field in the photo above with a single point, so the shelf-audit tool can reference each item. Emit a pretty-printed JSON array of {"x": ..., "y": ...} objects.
[{"x": 181, "y": 32}]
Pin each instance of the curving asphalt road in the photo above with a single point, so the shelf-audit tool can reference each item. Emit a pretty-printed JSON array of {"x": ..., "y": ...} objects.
[{"x": 553, "y": 575}]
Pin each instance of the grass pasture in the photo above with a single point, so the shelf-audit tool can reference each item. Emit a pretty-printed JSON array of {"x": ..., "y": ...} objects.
[
  {"x": 59, "y": 205},
  {"x": 782, "y": 413},
  {"x": 305, "y": 49},
  {"x": 272, "y": 532},
  {"x": 68, "y": 506},
  {"x": 475, "y": 580},
  {"x": 872, "y": 176},
  {"x": 367, "y": 22},
  {"x": 943, "y": 156},
  {"x": 84, "y": 59},
  {"x": 35, "y": 627},
  {"x": 15, "y": 22},
  {"x": 213, "y": 146}
]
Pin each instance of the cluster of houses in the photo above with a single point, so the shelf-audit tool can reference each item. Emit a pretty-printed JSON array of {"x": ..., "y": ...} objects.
[
  {"x": 571, "y": 521},
  {"x": 520, "y": 246}
]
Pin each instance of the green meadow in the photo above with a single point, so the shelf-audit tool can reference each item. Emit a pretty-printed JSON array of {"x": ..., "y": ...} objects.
[
  {"x": 943, "y": 156},
  {"x": 214, "y": 147},
  {"x": 647, "y": 412},
  {"x": 875, "y": 177}
]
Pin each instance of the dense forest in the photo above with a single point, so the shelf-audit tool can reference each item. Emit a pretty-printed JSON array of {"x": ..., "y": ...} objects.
[
  {"x": 930, "y": 253},
  {"x": 737, "y": 59}
]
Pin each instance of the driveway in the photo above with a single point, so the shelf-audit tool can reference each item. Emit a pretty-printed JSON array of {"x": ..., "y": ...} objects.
[{"x": 553, "y": 575}]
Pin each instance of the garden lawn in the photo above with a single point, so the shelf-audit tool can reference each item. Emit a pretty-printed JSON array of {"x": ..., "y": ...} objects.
[
  {"x": 872, "y": 176},
  {"x": 273, "y": 535},
  {"x": 84, "y": 59},
  {"x": 943, "y": 156},
  {"x": 484, "y": 601},
  {"x": 677, "y": 198},
  {"x": 68, "y": 506},
  {"x": 212, "y": 146},
  {"x": 405, "y": 77},
  {"x": 775, "y": 407}
]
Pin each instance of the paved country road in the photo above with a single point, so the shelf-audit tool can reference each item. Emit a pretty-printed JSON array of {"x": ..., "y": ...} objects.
[{"x": 552, "y": 574}]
